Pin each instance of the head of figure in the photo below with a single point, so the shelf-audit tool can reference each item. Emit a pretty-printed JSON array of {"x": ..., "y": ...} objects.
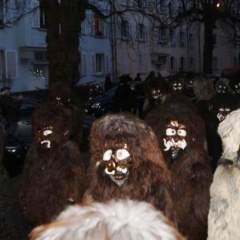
[
  {"x": 221, "y": 87},
  {"x": 119, "y": 144},
  {"x": 177, "y": 86},
  {"x": 223, "y": 105},
  {"x": 155, "y": 92},
  {"x": 6, "y": 91},
  {"x": 50, "y": 126},
  {"x": 234, "y": 83},
  {"x": 175, "y": 138},
  {"x": 60, "y": 94}
]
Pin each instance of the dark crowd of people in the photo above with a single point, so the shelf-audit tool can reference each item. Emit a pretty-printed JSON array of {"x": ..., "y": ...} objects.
[{"x": 170, "y": 172}]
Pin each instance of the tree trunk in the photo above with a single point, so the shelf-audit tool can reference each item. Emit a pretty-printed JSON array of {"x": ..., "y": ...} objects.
[
  {"x": 63, "y": 29},
  {"x": 208, "y": 48}
]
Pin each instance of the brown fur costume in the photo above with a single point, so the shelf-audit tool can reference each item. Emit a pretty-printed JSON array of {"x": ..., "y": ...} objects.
[
  {"x": 224, "y": 212},
  {"x": 53, "y": 171},
  {"x": 190, "y": 171},
  {"x": 148, "y": 178}
]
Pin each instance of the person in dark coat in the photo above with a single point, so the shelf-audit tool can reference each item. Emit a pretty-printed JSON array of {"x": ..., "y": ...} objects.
[
  {"x": 13, "y": 224},
  {"x": 10, "y": 109},
  {"x": 125, "y": 98},
  {"x": 108, "y": 82},
  {"x": 138, "y": 78}
]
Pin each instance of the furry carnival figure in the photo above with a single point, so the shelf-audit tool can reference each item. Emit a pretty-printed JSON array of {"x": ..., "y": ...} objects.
[
  {"x": 115, "y": 220},
  {"x": 61, "y": 94},
  {"x": 155, "y": 93},
  {"x": 224, "y": 213},
  {"x": 127, "y": 163},
  {"x": 53, "y": 172},
  {"x": 181, "y": 134}
]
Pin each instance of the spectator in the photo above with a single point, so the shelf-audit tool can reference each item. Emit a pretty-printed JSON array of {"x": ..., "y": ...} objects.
[
  {"x": 137, "y": 78},
  {"x": 10, "y": 110},
  {"x": 108, "y": 82},
  {"x": 125, "y": 98}
]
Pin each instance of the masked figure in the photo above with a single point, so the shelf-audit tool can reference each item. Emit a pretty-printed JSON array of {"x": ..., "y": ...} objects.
[
  {"x": 155, "y": 93},
  {"x": 181, "y": 134},
  {"x": 53, "y": 173},
  {"x": 176, "y": 85},
  {"x": 127, "y": 163},
  {"x": 224, "y": 212}
]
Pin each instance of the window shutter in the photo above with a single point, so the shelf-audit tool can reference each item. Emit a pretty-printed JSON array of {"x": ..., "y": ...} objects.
[
  {"x": 36, "y": 15},
  {"x": 11, "y": 64},
  {"x": 137, "y": 31},
  {"x": 84, "y": 64},
  {"x": 107, "y": 70},
  {"x": 93, "y": 63},
  {"x": 1, "y": 64}
]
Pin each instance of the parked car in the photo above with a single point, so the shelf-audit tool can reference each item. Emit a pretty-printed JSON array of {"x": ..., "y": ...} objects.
[
  {"x": 16, "y": 148},
  {"x": 103, "y": 103}
]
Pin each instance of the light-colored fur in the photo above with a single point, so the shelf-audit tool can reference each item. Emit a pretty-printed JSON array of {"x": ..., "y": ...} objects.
[
  {"x": 229, "y": 131},
  {"x": 224, "y": 213},
  {"x": 114, "y": 220}
]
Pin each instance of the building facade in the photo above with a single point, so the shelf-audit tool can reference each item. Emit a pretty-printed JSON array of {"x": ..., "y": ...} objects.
[{"x": 126, "y": 43}]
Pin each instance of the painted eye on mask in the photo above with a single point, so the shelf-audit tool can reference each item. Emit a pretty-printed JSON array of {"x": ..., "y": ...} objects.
[
  {"x": 107, "y": 155},
  {"x": 122, "y": 154},
  {"x": 182, "y": 133},
  {"x": 47, "y": 132},
  {"x": 170, "y": 132}
]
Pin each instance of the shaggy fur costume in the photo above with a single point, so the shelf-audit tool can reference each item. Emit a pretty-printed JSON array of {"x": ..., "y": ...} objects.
[
  {"x": 224, "y": 213},
  {"x": 191, "y": 171},
  {"x": 53, "y": 176},
  {"x": 115, "y": 220},
  {"x": 148, "y": 179}
]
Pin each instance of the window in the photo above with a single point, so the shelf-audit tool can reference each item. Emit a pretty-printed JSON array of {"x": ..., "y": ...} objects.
[
  {"x": 98, "y": 63},
  {"x": 191, "y": 63},
  {"x": 84, "y": 64},
  {"x": 140, "y": 3},
  {"x": 214, "y": 39},
  {"x": 190, "y": 40},
  {"x": 215, "y": 64},
  {"x": 162, "y": 35},
  {"x": 182, "y": 64},
  {"x": 39, "y": 14},
  {"x": 172, "y": 36},
  {"x": 98, "y": 26},
  {"x": 6, "y": 17},
  {"x": 181, "y": 38},
  {"x": 1, "y": 14},
  {"x": 125, "y": 29},
  {"x": 170, "y": 10},
  {"x": 160, "y": 7},
  {"x": 43, "y": 18},
  {"x": 172, "y": 63},
  {"x": 40, "y": 56},
  {"x": 141, "y": 32}
]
